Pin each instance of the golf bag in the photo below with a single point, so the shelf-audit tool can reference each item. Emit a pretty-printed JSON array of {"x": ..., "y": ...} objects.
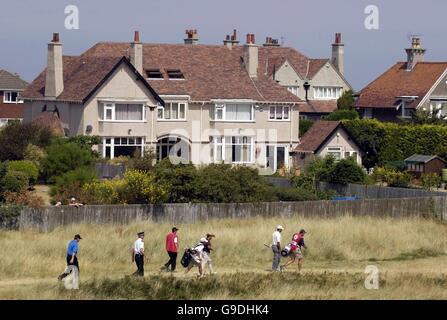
[
  {"x": 286, "y": 251},
  {"x": 186, "y": 258}
]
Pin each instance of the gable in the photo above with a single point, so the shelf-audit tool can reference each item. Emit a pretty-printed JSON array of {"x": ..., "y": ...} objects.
[
  {"x": 124, "y": 84},
  {"x": 287, "y": 75},
  {"x": 328, "y": 76},
  {"x": 339, "y": 138}
]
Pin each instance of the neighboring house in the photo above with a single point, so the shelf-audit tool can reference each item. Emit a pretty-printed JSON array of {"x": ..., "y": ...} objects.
[
  {"x": 326, "y": 138},
  {"x": 406, "y": 87},
  {"x": 419, "y": 164},
  {"x": 203, "y": 103},
  {"x": 319, "y": 82},
  {"x": 11, "y": 105}
]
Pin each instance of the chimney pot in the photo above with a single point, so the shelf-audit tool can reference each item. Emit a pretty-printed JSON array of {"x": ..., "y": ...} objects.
[
  {"x": 253, "y": 38},
  {"x": 136, "y": 37},
  {"x": 55, "y": 37},
  {"x": 338, "y": 38}
]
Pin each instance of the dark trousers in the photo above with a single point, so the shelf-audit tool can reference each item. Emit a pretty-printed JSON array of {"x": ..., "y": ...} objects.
[
  {"x": 75, "y": 262},
  {"x": 139, "y": 260},
  {"x": 172, "y": 260}
]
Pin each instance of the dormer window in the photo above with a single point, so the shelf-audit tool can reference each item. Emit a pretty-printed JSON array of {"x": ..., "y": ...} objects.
[
  {"x": 154, "y": 74},
  {"x": 175, "y": 74}
]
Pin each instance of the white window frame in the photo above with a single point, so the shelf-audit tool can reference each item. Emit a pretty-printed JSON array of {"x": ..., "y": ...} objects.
[
  {"x": 327, "y": 92},
  {"x": 222, "y": 144},
  {"x": 9, "y": 93},
  {"x": 170, "y": 103},
  {"x": 112, "y": 145},
  {"x": 294, "y": 90},
  {"x": 331, "y": 150},
  {"x": 282, "y": 113},
  {"x": 111, "y": 106},
  {"x": 275, "y": 155},
  {"x": 223, "y": 107}
]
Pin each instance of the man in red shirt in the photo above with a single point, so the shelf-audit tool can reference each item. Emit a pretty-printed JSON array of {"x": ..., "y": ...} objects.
[
  {"x": 295, "y": 250},
  {"x": 172, "y": 245}
]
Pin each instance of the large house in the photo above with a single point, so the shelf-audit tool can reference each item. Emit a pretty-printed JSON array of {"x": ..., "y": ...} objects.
[
  {"x": 405, "y": 88},
  {"x": 203, "y": 103},
  {"x": 11, "y": 105}
]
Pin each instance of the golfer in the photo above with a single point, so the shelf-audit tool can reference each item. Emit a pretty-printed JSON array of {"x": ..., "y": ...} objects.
[
  {"x": 172, "y": 245},
  {"x": 276, "y": 248},
  {"x": 72, "y": 256},
  {"x": 295, "y": 250},
  {"x": 138, "y": 254},
  {"x": 206, "y": 255}
]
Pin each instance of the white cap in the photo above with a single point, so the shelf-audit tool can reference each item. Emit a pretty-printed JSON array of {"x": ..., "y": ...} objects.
[
  {"x": 73, "y": 199},
  {"x": 203, "y": 240},
  {"x": 279, "y": 227}
]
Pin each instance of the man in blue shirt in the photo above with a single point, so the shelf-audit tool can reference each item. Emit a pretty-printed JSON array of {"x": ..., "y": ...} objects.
[{"x": 72, "y": 253}]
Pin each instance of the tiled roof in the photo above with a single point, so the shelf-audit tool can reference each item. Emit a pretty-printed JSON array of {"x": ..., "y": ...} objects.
[
  {"x": 210, "y": 71},
  {"x": 82, "y": 75},
  {"x": 397, "y": 81},
  {"x": 9, "y": 81},
  {"x": 317, "y": 135},
  {"x": 318, "y": 106}
]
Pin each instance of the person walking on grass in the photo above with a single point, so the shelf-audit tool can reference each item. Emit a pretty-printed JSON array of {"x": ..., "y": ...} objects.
[
  {"x": 207, "y": 253},
  {"x": 276, "y": 248},
  {"x": 172, "y": 246},
  {"x": 295, "y": 250},
  {"x": 197, "y": 258},
  {"x": 138, "y": 254},
  {"x": 72, "y": 256}
]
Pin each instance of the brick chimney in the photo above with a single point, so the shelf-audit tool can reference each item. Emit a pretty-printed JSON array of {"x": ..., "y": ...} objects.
[
  {"x": 191, "y": 36},
  {"x": 54, "y": 81},
  {"x": 415, "y": 54},
  {"x": 251, "y": 56},
  {"x": 136, "y": 52},
  {"x": 338, "y": 54},
  {"x": 270, "y": 42},
  {"x": 231, "y": 41}
]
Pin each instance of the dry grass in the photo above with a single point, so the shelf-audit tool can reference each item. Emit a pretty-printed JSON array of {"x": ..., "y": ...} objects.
[{"x": 410, "y": 253}]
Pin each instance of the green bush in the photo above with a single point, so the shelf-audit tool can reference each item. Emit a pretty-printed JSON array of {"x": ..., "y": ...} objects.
[
  {"x": 14, "y": 181},
  {"x": 304, "y": 126},
  {"x": 15, "y": 138},
  {"x": 34, "y": 154},
  {"x": 304, "y": 182},
  {"x": 65, "y": 156},
  {"x": 295, "y": 194},
  {"x": 342, "y": 114},
  {"x": 386, "y": 142},
  {"x": 391, "y": 177},
  {"x": 346, "y": 101},
  {"x": 70, "y": 184},
  {"x": 431, "y": 181},
  {"x": 347, "y": 171},
  {"x": 27, "y": 167}
]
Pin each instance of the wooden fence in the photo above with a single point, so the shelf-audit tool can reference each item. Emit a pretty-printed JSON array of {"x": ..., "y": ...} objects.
[{"x": 49, "y": 218}]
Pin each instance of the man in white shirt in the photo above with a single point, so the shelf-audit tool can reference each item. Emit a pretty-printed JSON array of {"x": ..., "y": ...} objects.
[
  {"x": 276, "y": 248},
  {"x": 197, "y": 257},
  {"x": 138, "y": 254}
]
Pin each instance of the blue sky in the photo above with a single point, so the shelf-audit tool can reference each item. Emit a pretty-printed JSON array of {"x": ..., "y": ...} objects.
[{"x": 26, "y": 27}]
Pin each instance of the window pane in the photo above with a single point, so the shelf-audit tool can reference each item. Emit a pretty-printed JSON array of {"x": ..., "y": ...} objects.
[
  {"x": 108, "y": 114},
  {"x": 124, "y": 141},
  {"x": 108, "y": 141},
  {"x": 243, "y": 112},
  {"x": 219, "y": 153},
  {"x": 135, "y": 112},
  {"x": 231, "y": 112},
  {"x": 117, "y": 141},
  {"x": 182, "y": 111},
  {"x": 219, "y": 114},
  {"x": 272, "y": 113},
  {"x": 160, "y": 113},
  {"x": 174, "y": 111},
  {"x": 121, "y": 112},
  {"x": 278, "y": 113},
  {"x": 286, "y": 112},
  {"x": 168, "y": 111},
  {"x": 139, "y": 140}
]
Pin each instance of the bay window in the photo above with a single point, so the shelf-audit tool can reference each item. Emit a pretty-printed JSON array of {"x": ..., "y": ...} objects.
[
  {"x": 327, "y": 92},
  {"x": 335, "y": 152},
  {"x": 279, "y": 113},
  {"x": 233, "y": 112},
  {"x": 172, "y": 111},
  {"x": 122, "y": 146},
  {"x": 127, "y": 112},
  {"x": 232, "y": 149}
]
